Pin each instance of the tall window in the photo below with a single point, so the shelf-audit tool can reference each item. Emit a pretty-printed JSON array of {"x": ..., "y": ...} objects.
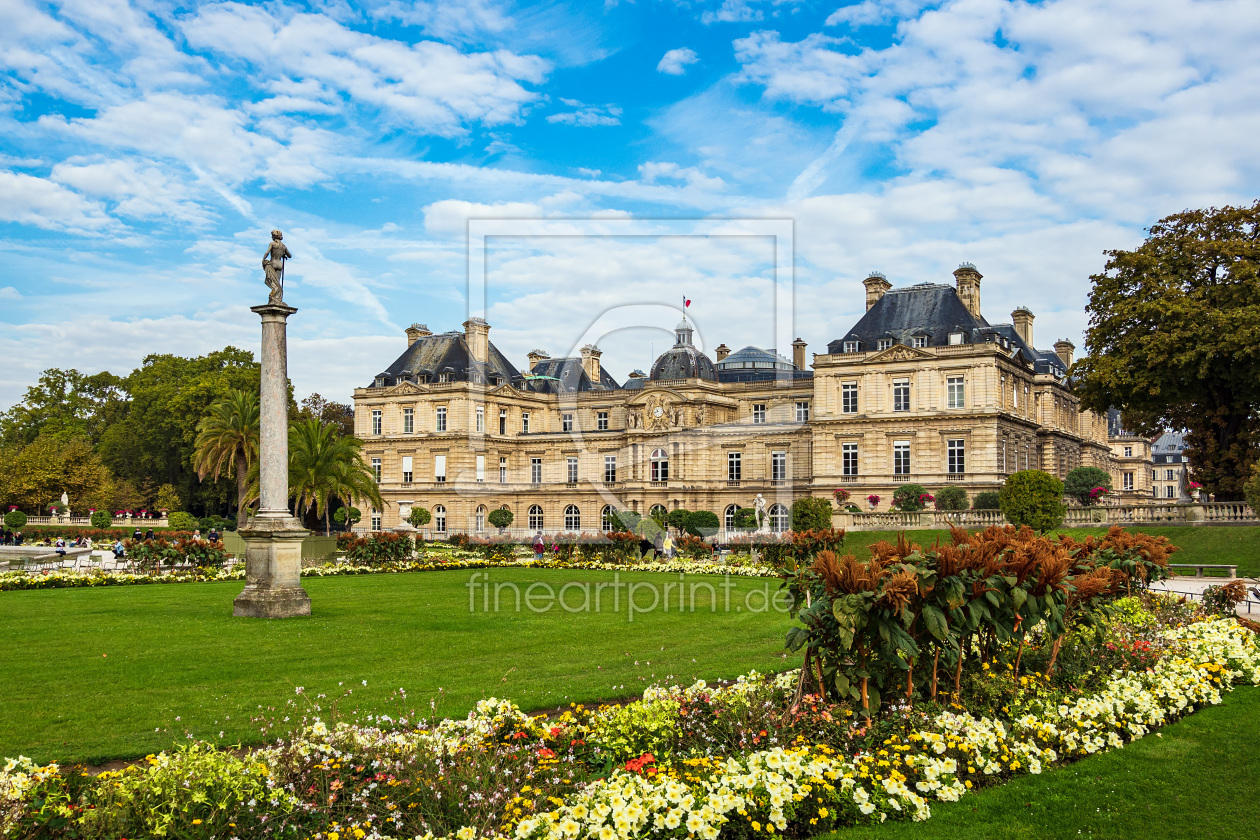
[
  {"x": 503, "y": 470},
  {"x": 778, "y": 466},
  {"x": 535, "y": 470},
  {"x": 481, "y": 467},
  {"x": 571, "y": 465},
  {"x": 376, "y": 421},
  {"x": 439, "y": 468},
  {"x": 525, "y": 422},
  {"x": 409, "y": 420},
  {"x": 956, "y": 456},
  {"x": 848, "y": 459},
  {"x": 481, "y": 420},
  {"x": 1170, "y": 492},
  {"x": 1126, "y": 481},
  {"x": 657, "y": 512},
  {"x": 375, "y": 520},
  {"x": 480, "y": 522},
  {"x": 848, "y": 398},
  {"x": 1002, "y": 456},
  {"x": 407, "y": 468},
  {"x": 778, "y": 518},
  {"x": 535, "y": 518},
  {"x": 439, "y": 519},
  {"x": 660, "y": 465},
  {"x": 1128, "y": 452},
  {"x": 503, "y": 421},
  {"x": 1170, "y": 475},
  {"x": 566, "y": 422},
  {"x": 759, "y": 413},
  {"x": 572, "y": 518},
  {"x": 729, "y": 519},
  {"x": 802, "y": 412},
  {"x": 1015, "y": 393},
  {"x": 441, "y": 419},
  {"x": 376, "y": 469},
  {"x": 901, "y": 457},
  {"x": 955, "y": 395},
  {"x": 610, "y": 469},
  {"x": 608, "y": 519},
  {"x": 601, "y": 421},
  {"x": 901, "y": 395},
  {"x": 734, "y": 466}
]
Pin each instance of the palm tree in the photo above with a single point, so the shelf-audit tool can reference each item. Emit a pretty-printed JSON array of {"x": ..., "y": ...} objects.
[
  {"x": 324, "y": 464},
  {"x": 227, "y": 441}
]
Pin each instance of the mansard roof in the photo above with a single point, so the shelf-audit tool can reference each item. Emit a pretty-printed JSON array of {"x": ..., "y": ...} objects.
[
  {"x": 566, "y": 376},
  {"x": 754, "y": 364},
  {"x": 431, "y": 356}
]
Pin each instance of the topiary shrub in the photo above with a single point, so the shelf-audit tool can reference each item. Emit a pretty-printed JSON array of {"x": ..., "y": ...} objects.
[
  {"x": 909, "y": 497},
  {"x": 1033, "y": 498},
  {"x": 500, "y": 518},
  {"x": 746, "y": 519},
  {"x": 677, "y": 518},
  {"x": 101, "y": 519},
  {"x": 182, "y": 521},
  {"x": 1081, "y": 483},
  {"x": 702, "y": 523},
  {"x": 15, "y": 519},
  {"x": 988, "y": 500},
  {"x": 951, "y": 498},
  {"x": 811, "y": 514},
  {"x": 419, "y": 517}
]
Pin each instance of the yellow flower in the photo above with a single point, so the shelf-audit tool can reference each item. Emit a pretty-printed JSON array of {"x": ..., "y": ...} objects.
[
  {"x": 196, "y": 822},
  {"x": 822, "y": 812}
]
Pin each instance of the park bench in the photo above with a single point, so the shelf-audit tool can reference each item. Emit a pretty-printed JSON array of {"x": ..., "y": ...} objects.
[{"x": 1230, "y": 569}]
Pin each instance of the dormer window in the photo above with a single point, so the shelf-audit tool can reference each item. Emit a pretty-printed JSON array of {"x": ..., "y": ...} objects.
[
  {"x": 955, "y": 338},
  {"x": 884, "y": 343},
  {"x": 852, "y": 346},
  {"x": 920, "y": 341}
]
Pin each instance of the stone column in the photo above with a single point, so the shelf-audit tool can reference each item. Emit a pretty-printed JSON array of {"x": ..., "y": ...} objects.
[{"x": 273, "y": 536}]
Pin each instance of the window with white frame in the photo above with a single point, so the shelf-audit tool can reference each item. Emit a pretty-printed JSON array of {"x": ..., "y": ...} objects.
[
  {"x": 849, "y": 398},
  {"x": 802, "y": 412},
  {"x": 734, "y": 466},
  {"x": 608, "y": 519},
  {"x": 409, "y": 421},
  {"x": 920, "y": 341},
  {"x": 729, "y": 518},
  {"x": 535, "y": 518},
  {"x": 407, "y": 465},
  {"x": 503, "y": 421},
  {"x": 503, "y": 470},
  {"x": 601, "y": 421},
  {"x": 481, "y": 420},
  {"x": 901, "y": 395},
  {"x": 572, "y": 518},
  {"x": 610, "y": 469},
  {"x": 566, "y": 422},
  {"x": 480, "y": 518},
  {"x": 759, "y": 412},
  {"x": 1128, "y": 452},
  {"x": 439, "y": 519},
  {"x": 535, "y": 470},
  {"x": 778, "y": 466},
  {"x": 955, "y": 338},
  {"x": 376, "y": 469},
  {"x": 440, "y": 425},
  {"x": 848, "y": 459},
  {"x": 376, "y": 421},
  {"x": 883, "y": 343},
  {"x": 659, "y": 465},
  {"x": 525, "y": 422},
  {"x": 955, "y": 392},
  {"x": 1170, "y": 492},
  {"x": 901, "y": 457},
  {"x": 571, "y": 469},
  {"x": 1002, "y": 456},
  {"x": 1170, "y": 475},
  {"x": 1015, "y": 394},
  {"x": 375, "y": 520},
  {"x": 956, "y": 456},
  {"x": 1126, "y": 481},
  {"x": 851, "y": 346},
  {"x": 481, "y": 467},
  {"x": 439, "y": 468},
  {"x": 779, "y": 521}
]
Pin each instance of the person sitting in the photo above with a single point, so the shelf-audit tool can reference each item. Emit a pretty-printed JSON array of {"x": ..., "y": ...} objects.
[
  {"x": 196, "y": 535},
  {"x": 17, "y": 538},
  {"x": 213, "y": 536},
  {"x": 61, "y": 547},
  {"x": 119, "y": 550}
]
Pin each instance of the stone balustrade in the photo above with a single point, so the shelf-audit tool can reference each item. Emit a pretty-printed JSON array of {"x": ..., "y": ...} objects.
[{"x": 86, "y": 522}]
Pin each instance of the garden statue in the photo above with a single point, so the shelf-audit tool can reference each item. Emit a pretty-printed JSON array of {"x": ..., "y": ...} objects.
[
  {"x": 273, "y": 266},
  {"x": 763, "y": 523}
]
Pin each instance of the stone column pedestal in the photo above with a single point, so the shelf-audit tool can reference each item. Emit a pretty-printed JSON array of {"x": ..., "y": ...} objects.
[{"x": 273, "y": 536}]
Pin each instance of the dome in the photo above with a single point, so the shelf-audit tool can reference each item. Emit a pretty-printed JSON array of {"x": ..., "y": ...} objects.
[{"x": 683, "y": 360}]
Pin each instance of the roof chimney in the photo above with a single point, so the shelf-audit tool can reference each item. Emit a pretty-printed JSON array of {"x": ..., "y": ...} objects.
[
  {"x": 416, "y": 332},
  {"x": 798, "y": 354},
  {"x": 722, "y": 351},
  {"x": 1023, "y": 320},
  {"x": 1063, "y": 348},
  {"x": 477, "y": 335},
  {"x": 535, "y": 356},
  {"x": 590, "y": 362},
  {"x": 876, "y": 284},
  {"x": 969, "y": 287}
]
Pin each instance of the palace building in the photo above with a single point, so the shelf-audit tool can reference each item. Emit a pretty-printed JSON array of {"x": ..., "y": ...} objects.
[{"x": 921, "y": 389}]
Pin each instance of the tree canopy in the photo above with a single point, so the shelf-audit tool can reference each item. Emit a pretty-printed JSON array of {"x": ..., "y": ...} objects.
[{"x": 1174, "y": 340}]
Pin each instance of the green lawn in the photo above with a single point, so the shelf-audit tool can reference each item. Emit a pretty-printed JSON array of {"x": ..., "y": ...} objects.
[
  {"x": 1199, "y": 544},
  {"x": 1197, "y": 779},
  {"x": 92, "y": 674}
]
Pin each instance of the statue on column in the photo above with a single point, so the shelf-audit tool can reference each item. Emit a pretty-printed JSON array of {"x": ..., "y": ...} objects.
[{"x": 273, "y": 266}]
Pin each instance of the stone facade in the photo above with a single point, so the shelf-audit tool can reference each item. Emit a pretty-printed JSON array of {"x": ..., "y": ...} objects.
[
  {"x": 922, "y": 390},
  {"x": 1133, "y": 475}
]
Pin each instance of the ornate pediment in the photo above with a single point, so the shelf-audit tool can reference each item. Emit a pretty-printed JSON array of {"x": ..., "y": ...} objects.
[
  {"x": 899, "y": 353},
  {"x": 406, "y": 389}
]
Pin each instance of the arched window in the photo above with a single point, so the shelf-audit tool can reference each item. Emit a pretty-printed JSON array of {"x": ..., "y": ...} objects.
[
  {"x": 439, "y": 519},
  {"x": 481, "y": 517},
  {"x": 535, "y": 518},
  {"x": 778, "y": 519},
  {"x": 658, "y": 513},
  {"x": 731, "y": 510},
  {"x": 572, "y": 518},
  {"x": 607, "y": 519},
  {"x": 660, "y": 465}
]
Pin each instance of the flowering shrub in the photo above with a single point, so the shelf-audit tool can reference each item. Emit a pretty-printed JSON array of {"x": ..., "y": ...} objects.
[
  {"x": 378, "y": 548},
  {"x": 1096, "y": 494},
  {"x": 841, "y": 495},
  {"x": 873, "y": 499}
]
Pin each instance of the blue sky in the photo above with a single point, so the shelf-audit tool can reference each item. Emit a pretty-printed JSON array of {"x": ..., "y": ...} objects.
[{"x": 148, "y": 147}]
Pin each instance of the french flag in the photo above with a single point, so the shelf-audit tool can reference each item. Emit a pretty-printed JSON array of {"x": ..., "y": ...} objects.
[{"x": 686, "y": 302}]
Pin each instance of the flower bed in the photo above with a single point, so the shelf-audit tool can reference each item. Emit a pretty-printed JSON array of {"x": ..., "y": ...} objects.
[{"x": 742, "y": 760}]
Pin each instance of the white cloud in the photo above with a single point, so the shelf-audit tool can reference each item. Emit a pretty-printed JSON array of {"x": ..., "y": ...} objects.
[
  {"x": 140, "y": 192},
  {"x": 450, "y": 216},
  {"x": 29, "y": 200},
  {"x": 587, "y": 115},
  {"x": 874, "y": 12},
  {"x": 675, "y": 62},
  {"x": 744, "y": 11},
  {"x": 447, "y": 20},
  {"x": 9, "y": 293},
  {"x": 653, "y": 170}
]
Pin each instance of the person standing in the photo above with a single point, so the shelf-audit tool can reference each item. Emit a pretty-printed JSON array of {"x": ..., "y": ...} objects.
[{"x": 539, "y": 547}]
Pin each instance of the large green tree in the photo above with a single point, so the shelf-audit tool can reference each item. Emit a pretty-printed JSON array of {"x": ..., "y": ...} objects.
[
  {"x": 318, "y": 408},
  {"x": 227, "y": 440},
  {"x": 1174, "y": 340},
  {"x": 35, "y": 475},
  {"x": 65, "y": 402}
]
